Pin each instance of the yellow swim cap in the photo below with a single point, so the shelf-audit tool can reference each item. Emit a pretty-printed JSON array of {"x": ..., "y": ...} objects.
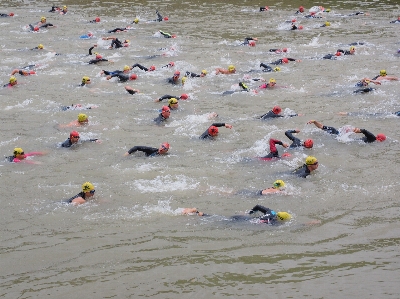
[
  {"x": 282, "y": 216},
  {"x": 231, "y": 68},
  {"x": 328, "y": 10},
  {"x": 87, "y": 187},
  {"x": 136, "y": 20},
  {"x": 327, "y": 23},
  {"x": 85, "y": 79},
  {"x": 64, "y": 7},
  {"x": 279, "y": 184},
  {"x": 127, "y": 41},
  {"x": 352, "y": 48},
  {"x": 13, "y": 79},
  {"x": 272, "y": 80},
  {"x": 204, "y": 72},
  {"x": 40, "y": 46},
  {"x": 82, "y": 117},
  {"x": 382, "y": 72},
  {"x": 172, "y": 101},
  {"x": 184, "y": 80},
  {"x": 310, "y": 160},
  {"x": 126, "y": 68},
  {"x": 277, "y": 69},
  {"x": 43, "y": 19},
  {"x": 18, "y": 151}
]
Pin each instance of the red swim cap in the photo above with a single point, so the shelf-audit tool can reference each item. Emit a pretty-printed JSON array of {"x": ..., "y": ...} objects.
[
  {"x": 172, "y": 63},
  {"x": 381, "y": 137},
  {"x": 294, "y": 20},
  {"x": 165, "y": 18},
  {"x": 177, "y": 73},
  {"x": 285, "y": 60},
  {"x": 165, "y": 144},
  {"x": 36, "y": 28},
  {"x": 74, "y": 134},
  {"x": 300, "y": 27},
  {"x": 165, "y": 108},
  {"x": 98, "y": 56},
  {"x": 276, "y": 110},
  {"x": 133, "y": 77},
  {"x": 252, "y": 43},
  {"x": 11, "y": 14},
  {"x": 284, "y": 49},
  {"x": 308, "y": 143},
  {"x": 184, "y": 96},
  {"x": 213, "y": 131},
  {"x": 32, "y": 72},
  {"x": 97, "y": 19},
  {"x": 152, "y": 68},
  {"x": 338, "y": 54},
  {"x": 173, "y": 36}
]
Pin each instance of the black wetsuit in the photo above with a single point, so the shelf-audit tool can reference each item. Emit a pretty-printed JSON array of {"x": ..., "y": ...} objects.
[
  {"x": 280, "y": 61},
  {"x": 269, "y": 216},
  {"x": 167, "y": 97},
  {"x": 397, "y": 113},
  {"x": 312, "y": 17},
  {"x": 90, "y": 50},
  {"x": 365, "y": 89},
  {"x": 159, "y": 119},
  {"x": 206, "y": 135},
  {"x": 68, "y": 143},
  {"x": 266, "y": 67},
  {"x": 165, "y": 34},
  {"x": 149, "y": 151},
  {"x": 116, "y": 43},
  {"x": 94, "y": 61},
  {"x": 159, "y": 17},
  {"x": 302, "y": 171},
  {"x": 270, "y": 114},
  {"x": 395, "y": 21},
  {"x": 333, "y": 56},
  {"x": 121, "y": 76},
  {"x": 54, "y": 9},
  {"x": 246, "y": 41},
  {"x": 330, "y": 130},
  {"x": 81, "y": 194},
  {"x": 73, "y": 107},
  {"x": 4, "y": 15},
  {"x": 296, "y": 141},
  {"x": 192, "y": 75},
  {"x": 131, "y": 91},
  {"x": 46, "y": 25},
  {"x": 263, "y": 8},
  {"x": 143, "y": 68},
  {"x": 172, "y": 81},
  {"x": 345, "y": 52},
  {"x": 116, "y": 29},
  {"x": 112, "y": 73}
]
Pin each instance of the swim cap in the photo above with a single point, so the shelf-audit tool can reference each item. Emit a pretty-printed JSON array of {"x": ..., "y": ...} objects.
[
  {"x": 301, "y": 9},
  {"x": 152, "y": 68},
  {"x": 310, "y": 160},
  {"x": 184, "y": 79},
  {"x": 165, "y": 18},
  {"x": 133, "y": 77},
  {"x": 276, "y": 110},
  {"x": 338, "y": 53},
  {"x": 98, "y": 56},
  {"x": 382, "y": 72},
  {"x": 308, "y": 143},
  {"x": 171, "y": 63},
  {"x": 90, "y": 34},
  {"x": 43, "y": 19},
  {"x": 300, "y": 27},
  {"x": 136, "y": 21},
  {"x": 40, "y": 46},
  {"x": 177, "y": 73},
  {"x": 277, "y": 69},
  {"x": 82, "y": 117},
  {"x": 252, "y": 43},
  {"x": 87, "y": 187},
  {"x": 74, "y": 134},
  {"x": 285, "y": 60},
  {"x": 64, "y": 7},
  {"x": 126, "y": 68},
  {"x": 279, "y": 184},
  {"x": 173, "y": 36},
  {"x": 18, "y": 151},
  {"x": 165, "y": 144},
  {"x": 85, "y": 79},
  {"x": 329, "y": 24},
  {"x": 213, "y": 131},
  {"x": 204, "y": 72},
  {"x": 11, "y": 14},
  {"x": 172, "y": 101},
  {"x": 165, "y": 108},
  {"x": 381, "y": 137},
  {"x": 284, "y": 50},
  {"x": 231, "y": 68},
  {"x": 294, "y": 21},
  {"x": 282, "y": 216},
  {"x": 13, "y": 79},
  {"x": 352, "y": 48},
  {"x": 97, "y": 19},
  {"x": 328, "y": 10},
  {"x": 32, "y": 72},
  {"x": 36, "y": 28},
  {"x": 184, "y": 96},
  {"x": 272, "y": 80}
]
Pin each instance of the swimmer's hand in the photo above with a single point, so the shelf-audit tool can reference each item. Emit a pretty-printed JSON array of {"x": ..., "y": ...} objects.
[
  {"x": 285, "y": 145},
  {"x": 228, "y": 126}
]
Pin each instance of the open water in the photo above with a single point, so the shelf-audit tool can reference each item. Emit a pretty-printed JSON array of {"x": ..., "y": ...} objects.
[{"x": 129, "y": 242}]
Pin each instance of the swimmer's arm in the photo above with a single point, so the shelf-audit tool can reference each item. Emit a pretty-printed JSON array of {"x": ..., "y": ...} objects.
[
  {"x": 164, "y": 97},
  {"x": 289, "y": 135},
  {"x": 316, "y": 123},
  {"x": 78, "y": 201},
  {"x": 369, "y": 136}
]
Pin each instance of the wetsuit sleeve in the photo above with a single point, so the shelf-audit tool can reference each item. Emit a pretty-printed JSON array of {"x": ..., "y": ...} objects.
[
  {"x": 272, "y": 145},
  {"x": 66, "y": 143},
  {"x": 369, "y": 137},
  {"x": 218, "y": 124},
  {"x": 121, "y": 77},
  {"x": 159, "y": 119},
  {"x": 296, "y": 141},
  {"x": 397, "y": 113},
  {"x": 166, "y": 97},
  {"x": 262, "y": 209},
  {"x": 291, "y": 59},
  {"x": 330, "y": 130},
  {"x": 90, "y": 50},
  {"x": 340, "y": 50},
  {"x": 270, "y": 114},
  {"x": 146, "y": 149}
]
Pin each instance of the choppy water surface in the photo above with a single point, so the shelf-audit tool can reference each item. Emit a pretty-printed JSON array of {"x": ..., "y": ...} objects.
[{"x": 130, "y": 242}]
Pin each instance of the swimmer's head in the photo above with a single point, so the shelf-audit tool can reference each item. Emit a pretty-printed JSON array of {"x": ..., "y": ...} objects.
[
  {"x": 308, "y": 143},
  {"x": 184, "y": 78},
  {"x": 310, "y": 160},
  {"x": 18, "y": 151},
  {"x": 136, "y": 21},
  {"x": 97, "y": 19},
  {"x": 11, "y": 14},
  {"x": 312, "y": 13},
  {"x": 172, "y": 101},
  {"x": 203, "y": 72},
  {"x": 43, "y": 19},
  {"x": 252, "y": 43},
  {"x": 13, "y": 80},
  {"x": 382, "y": 73},
  {"x": 277, "y": 69},
  {"x": 65, "y": 7},
  {"x": 171, "y": 63},
  {"x": 184, "y": 96},
  {"x": 284, "y": 50},
  {"x": 133, "y": 77},
  {"x": 85, "y": 80},
  {"x": 173, "y": 36},
  {"x": 164, "y": 147},
  {"x": 177, "y": 74},
  {"x": 352, "y": 49},
  {"x": 327, "y": 24},
  {"x": 90, "y": 34},
  {"x": 231, "y": 68},
  {"x": 285, "y": 60},
  {"x": 88, "y": 187},
  {"x": 272, "y": 81},
  {"x": 32, "y": 72},
  {"x": 283, "y": 216},
  {"x": 301, "y": 9},
  {"x": 381, "y": 137},
  {"x": 74, "y": 134},
  {"x": 279, "y": 184},
  {"x": 327, "y": 10},
  {"x": 166, "y": 19},
  {"x": 276, "y": 110},
  {"x": 127, "y": 41},
  {"x": 40, "y": 46},
  {"x": 82, "y": 118},
  {"x": 213, "y": 131},
  {"x": 126, "y": 68},
  {"x": 293, "y": 20},
  {"x": 300, "y": 27},
  {"x": 152, "y": 68}
]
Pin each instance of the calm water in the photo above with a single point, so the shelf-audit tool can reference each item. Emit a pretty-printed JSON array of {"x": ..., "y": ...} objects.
[{"x": 130, "y": 242}]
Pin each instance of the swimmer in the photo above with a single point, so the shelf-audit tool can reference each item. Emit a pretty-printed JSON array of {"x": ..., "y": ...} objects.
[
  {"x": 274, "y": 113},
  {"x": 383, "y": 76},
  {"x": 396, "y": 21},
  {"x": 271, "y": 84},
  {"x": 39, "y": 47},
  {"x": 116, "y": 43},
  {"x": 251, "y": 41},
  {"x": 326, "y": 24},
  {"x": 82, "y": 197},
  {"x": 64, "y": 10},
  {"x": 75, "y": 139},
  {"x": 306, "y": 169},
  {"x": 294, "y": 27},
  {"x": 122, "y": 77},
  {"x": 96, "y": 20},
  {"x": 12, "y": 82},
  {"x": 77, "y": 107},
  {"x": 124, "y": 71},
  {"x": 264, "y": 8},
  {"x": 143, "y": 68},
  {"x": 212, "y": 131},
  {"x": 184, "y": 96},
  {"x": 163, "y": 116},
  {"x": 175, "y": 78},
  {"x": 368, "y": 136},
  {"x": 273, "y": 152},
  {"x": 296, "y": 141},
  {"x": 85, "y": 81},
  {"x": 91, "y": 49},
  {"x": 270, "y": 216},
  {"x": 277, "y": 187},
  {"x": 301, "y": 10},
  {"x": 98, "y": 59},
  {"x": 131, "y": 90},
  {"x": 23, "y": 72},
  {"x": 116, "y": 30},
  {"x": 284, "y": 50},
  {"x": 191, "y": 211},
  {"x": 312, "y": 15},
  {"x": 55, "y": 9},
  {"x": 231, "y": 70},
  {"x": 19, "y": 156},
  {"x": 87, "y": 36},
  {"x": 267, "y": 68},
  {"x": 135, "y": 21},
  {"x": 364, "y": 84},
  {"x": 173, "y": 104},
  {"x": 4, "y": 15},
  {"x": 167, "y": 35},
  {"x": 340, "y": 52},
  {"x": 193, "y": 75},
  {"x": 43, "y": 24},
  {"x": 159, "y": 17},
  {"x": 82, "y": 120},
  {"x": 150, "y": 151},
  {"x": 284, "y": 60}
]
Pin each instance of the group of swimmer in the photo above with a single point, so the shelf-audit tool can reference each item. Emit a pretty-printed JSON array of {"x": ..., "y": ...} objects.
[{"x": 307, "y": 168}]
